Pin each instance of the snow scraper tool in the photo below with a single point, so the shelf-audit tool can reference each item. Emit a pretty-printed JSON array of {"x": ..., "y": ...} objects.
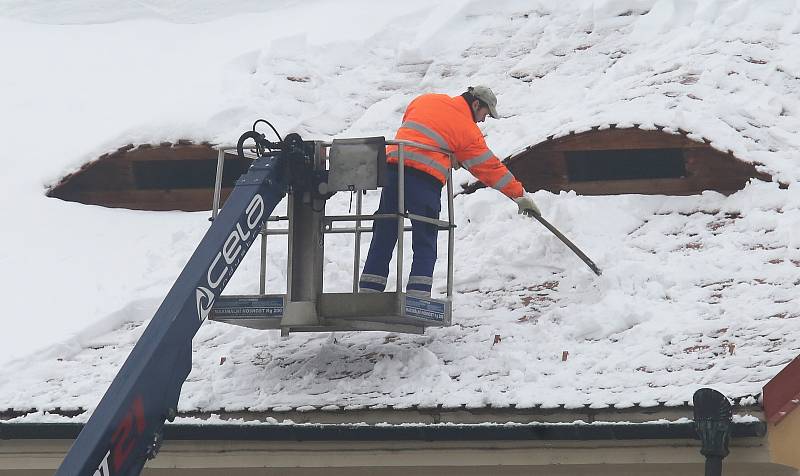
[{"x": 566, "y": 241}]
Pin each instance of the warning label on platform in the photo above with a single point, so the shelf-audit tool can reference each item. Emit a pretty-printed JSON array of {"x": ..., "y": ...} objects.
[
  {"x": 248, "y": 307},
  {"x": 424, "y": 308}
]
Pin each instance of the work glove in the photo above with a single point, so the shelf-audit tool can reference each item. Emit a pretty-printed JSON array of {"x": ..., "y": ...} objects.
[{"x": 526, "y": 205}]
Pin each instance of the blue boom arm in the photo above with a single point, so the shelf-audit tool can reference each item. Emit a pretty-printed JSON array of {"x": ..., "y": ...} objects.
[{"x": 126, "y": 427}]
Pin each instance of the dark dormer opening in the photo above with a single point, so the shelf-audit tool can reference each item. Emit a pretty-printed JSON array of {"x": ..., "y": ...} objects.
[
  {"x": 184, "y": 174},
  {"x": 632, "y": 164},
  {"x": 631, "y": 160},
  {"x": 152, "y": 177}
]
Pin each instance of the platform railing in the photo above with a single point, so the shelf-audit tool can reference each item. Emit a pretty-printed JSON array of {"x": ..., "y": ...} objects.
[{"x": 358, "y": 229}]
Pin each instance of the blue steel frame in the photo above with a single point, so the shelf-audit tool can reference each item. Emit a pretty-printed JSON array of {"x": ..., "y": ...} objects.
[{"x": 126, "y": 427}]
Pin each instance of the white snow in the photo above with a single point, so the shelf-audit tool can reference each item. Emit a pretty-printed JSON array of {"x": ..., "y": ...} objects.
[{"x": 696, "y": 290}]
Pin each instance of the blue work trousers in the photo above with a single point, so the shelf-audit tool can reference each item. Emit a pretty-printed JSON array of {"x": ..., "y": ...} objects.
[{"x": 422, "y": 197}]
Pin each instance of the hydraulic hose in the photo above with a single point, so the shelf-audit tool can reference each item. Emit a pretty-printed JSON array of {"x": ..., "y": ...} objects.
[{"x": 257, "y": 137}]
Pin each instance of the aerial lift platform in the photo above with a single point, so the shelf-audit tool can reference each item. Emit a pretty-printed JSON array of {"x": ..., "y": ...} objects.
[
  {"x": 126, "y": 427},
  {"x": 354, "y": 166}
]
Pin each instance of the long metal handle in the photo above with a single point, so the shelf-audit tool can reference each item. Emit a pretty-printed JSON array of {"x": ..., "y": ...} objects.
[{"x": 570, "y": 244}]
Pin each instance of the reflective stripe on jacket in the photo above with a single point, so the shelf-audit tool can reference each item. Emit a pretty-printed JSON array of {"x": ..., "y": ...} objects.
[{"x": 443, "y": 121}]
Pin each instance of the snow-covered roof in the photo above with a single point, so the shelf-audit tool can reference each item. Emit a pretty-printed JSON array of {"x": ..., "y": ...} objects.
[{"x": 696, "y": 291}]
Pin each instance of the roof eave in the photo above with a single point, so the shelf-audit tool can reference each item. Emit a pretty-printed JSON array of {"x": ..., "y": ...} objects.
[{"x": 434, "y": 432}]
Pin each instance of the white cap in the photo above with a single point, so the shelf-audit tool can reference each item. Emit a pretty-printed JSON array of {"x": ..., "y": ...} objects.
[{"x": 484, "y": 94}]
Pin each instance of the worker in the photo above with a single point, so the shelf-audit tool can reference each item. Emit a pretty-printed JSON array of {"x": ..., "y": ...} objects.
[{"x": 450, "y": 123}]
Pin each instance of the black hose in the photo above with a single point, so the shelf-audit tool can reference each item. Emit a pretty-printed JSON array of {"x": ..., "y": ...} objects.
[
  {"x": 258, "y": 138},
  {"x": 270, "y": 125}
]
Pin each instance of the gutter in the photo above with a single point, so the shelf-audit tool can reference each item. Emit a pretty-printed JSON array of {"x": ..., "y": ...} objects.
[{"x": 363, "y": 432}]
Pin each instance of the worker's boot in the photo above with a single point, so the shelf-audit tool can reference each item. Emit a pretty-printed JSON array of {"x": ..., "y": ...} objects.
[
  {"x": 419, "y": 286},
  {"x": 371, "y": 283}
]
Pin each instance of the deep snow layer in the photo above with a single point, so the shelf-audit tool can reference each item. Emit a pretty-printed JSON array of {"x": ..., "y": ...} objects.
[{"x": 696, "y": 290}]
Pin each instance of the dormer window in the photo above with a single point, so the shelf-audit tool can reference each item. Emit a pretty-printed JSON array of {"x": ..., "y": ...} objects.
[
  {"x": 624, "y": 164},
  {"x": 618, "y": 161},
  {"x": 152, "y": 177}
]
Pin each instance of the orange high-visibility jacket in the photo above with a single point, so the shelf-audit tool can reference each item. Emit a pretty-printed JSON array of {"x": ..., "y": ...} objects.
[{"x": 443, "y": 121}]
